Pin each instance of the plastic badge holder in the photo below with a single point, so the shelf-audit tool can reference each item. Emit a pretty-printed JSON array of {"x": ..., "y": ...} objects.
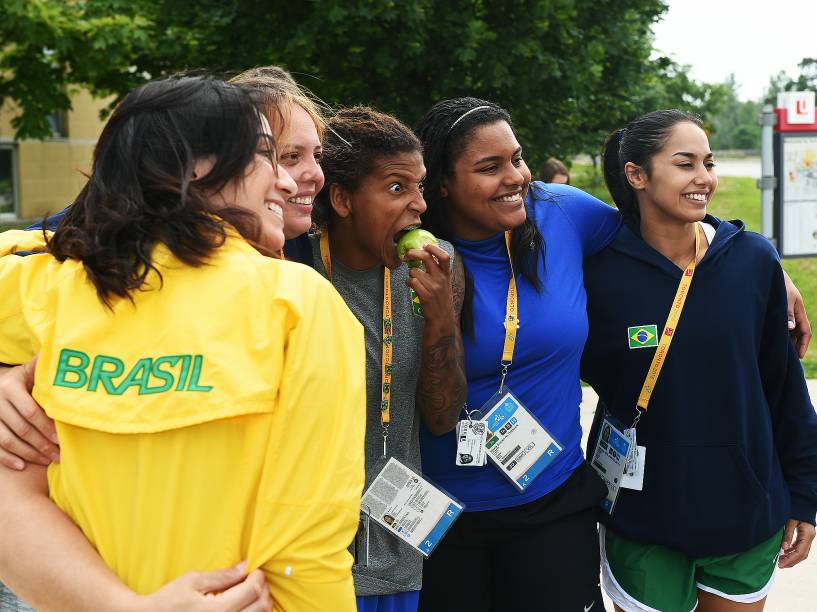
[
  {"x": 518, "y": 444},
  {"x": 609, "y": 457},
  {"x": 411, "y": 507}
]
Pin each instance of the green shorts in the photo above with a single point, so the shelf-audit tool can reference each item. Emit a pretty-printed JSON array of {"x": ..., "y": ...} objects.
[{"x": 651, "y": 578}]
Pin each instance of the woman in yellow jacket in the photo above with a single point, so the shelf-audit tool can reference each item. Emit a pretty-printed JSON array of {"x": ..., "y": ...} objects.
[{"x": 209, "y": 399}]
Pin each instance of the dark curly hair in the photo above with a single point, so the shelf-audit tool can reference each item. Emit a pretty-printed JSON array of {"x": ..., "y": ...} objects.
[
  {"x": 142, "y": 189},
  {"x": 637, "y": 143},
  {"x": 445, "y": 131},
  {"x": 356, "y": 139}
]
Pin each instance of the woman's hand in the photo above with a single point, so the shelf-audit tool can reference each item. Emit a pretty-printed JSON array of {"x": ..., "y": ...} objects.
[
  {"x": 26, "y": 433},
  {"x": 441, "y": 384},
  {"x": 796, "y": 549},
  {"x": 433, "y": 286},
  {"x": 227, "y": 590},
  {"x": 799, "y": 326}
]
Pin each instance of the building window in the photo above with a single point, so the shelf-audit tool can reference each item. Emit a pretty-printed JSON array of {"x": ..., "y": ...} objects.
[
  {"x": 7, "y": 182},
  {"x": 59, "y": 124}
]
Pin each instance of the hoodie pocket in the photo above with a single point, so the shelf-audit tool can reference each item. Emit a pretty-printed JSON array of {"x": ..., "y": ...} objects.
[{"x": 710, "y": 489}]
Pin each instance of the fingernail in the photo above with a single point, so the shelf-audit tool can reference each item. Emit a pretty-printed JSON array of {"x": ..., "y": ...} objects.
[
  {"x": 791, "y": 324},
  {"x": 18, "y": 465},
  {"x": 55, "y": 457},
  {"x": 53, "y": 437},
  {"x": 241, "y": 566}
]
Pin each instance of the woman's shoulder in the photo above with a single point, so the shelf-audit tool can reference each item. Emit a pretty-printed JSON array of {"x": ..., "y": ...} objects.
[
  {"x": 754, "y": 247},
  {"x": 446, "y": 246},
  {"x": 570, "y": 201},
  {"x": 287, "y": 289},
  {"x": 559, "y": 194}
]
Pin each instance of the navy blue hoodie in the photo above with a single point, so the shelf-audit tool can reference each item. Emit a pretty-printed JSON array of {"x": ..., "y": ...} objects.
[{"x": 731, "y": 434}]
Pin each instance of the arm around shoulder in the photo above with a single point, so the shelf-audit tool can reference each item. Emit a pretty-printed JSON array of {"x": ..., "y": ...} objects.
[
  {"x": 596, "y": 222},
  {"x": 41, "y": 545}
]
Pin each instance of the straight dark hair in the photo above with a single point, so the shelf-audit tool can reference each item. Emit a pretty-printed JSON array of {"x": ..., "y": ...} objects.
[
  {"x": 445, "y": 131},
  {"x": 637, "y": 143},
  {"x": 142, "y": 189}
]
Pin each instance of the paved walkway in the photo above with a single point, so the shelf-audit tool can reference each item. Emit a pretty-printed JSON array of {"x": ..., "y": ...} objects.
[
  {"x": 749, "y": 166},
  {"x": 795, "y": 589}
]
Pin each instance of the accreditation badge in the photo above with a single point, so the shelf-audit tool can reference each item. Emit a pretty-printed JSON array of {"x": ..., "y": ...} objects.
[
  {"x": 518, "y": 445},
  {"x": 471, "y": 443},
  {"x": 633, "y": 477},
  {"x": 610, "y": 457},
  {"x": 409, "y": 507}
]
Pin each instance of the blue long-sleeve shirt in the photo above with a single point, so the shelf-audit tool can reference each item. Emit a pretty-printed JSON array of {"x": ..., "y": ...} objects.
[{"x": 553, "y": 327}]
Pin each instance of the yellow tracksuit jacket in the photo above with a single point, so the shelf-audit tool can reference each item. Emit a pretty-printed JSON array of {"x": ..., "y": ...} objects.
[{"x": 218, "y": 417}]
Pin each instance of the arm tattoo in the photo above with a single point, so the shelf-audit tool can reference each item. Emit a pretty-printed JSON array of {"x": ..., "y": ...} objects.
[{"x": 441, "y": 386}]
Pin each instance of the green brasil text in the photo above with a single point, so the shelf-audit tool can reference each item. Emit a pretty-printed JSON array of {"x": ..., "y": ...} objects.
[{"x": 171, "y": 372}]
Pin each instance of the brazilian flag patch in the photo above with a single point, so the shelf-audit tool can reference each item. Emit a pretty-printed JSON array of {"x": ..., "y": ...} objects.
[{"x": 642, "y": 336}]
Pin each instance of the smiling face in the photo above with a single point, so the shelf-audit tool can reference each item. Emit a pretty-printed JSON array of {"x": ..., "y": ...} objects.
[
  {"x": 485, "y": 193},
  {"x": 386, "y": 201},
  {"x": 681, "y": 180},
  {"x": 263, "y": 190},
  {"x": 299, "y": 153}
]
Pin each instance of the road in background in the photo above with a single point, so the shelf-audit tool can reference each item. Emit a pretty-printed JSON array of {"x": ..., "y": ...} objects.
[{"x": 748, "y": 166}]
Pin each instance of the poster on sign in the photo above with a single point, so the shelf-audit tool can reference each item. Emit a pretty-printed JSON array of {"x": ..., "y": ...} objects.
[
  {"x": 795, "y": 168},
  {"x": 799, "y": 191}
]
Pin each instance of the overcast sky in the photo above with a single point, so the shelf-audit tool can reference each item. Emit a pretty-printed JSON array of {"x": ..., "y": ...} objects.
[{"x": 754, "y": 40}]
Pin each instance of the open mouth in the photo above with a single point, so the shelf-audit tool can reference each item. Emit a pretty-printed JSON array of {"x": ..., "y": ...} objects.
[{"x": 404, "y": 231}]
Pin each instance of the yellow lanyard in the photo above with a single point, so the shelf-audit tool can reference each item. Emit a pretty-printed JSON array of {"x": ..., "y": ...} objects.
[
  {"x": 511, "y": 318},
  {"x": 388, "y": 340},
  {"x": 669, "y": 330}
]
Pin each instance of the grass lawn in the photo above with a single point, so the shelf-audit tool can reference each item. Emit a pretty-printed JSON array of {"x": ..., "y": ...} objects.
[
  {"x": 736, "y": 198},
  {"x": 13, "y": 225}
]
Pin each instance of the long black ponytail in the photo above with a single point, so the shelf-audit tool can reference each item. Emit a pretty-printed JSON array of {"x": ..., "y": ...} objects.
[{"x": 637, "y": 143}]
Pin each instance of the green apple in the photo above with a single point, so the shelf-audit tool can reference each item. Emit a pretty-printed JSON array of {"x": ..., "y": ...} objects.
[{"x": 414, "y": 239}]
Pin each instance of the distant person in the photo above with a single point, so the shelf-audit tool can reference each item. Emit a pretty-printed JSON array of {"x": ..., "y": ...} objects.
[
  {"x": 728, "y": 431},
  {"x": 554, "y": 171}
]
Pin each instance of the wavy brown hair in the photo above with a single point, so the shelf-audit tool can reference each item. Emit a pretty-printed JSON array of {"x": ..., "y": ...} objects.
[
  {"x": 279, "y": 91},
  {"x": 142, "y": 189}
]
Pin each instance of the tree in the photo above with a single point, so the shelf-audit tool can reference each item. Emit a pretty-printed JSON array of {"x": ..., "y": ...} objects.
[
  {"x": 805, "y": 81},
  {"x": 568, "y": 70},
  {"x": 735, "y": 125},
  {"x": 46, "y": 46},
  {"x": 669, "y": 86}
]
